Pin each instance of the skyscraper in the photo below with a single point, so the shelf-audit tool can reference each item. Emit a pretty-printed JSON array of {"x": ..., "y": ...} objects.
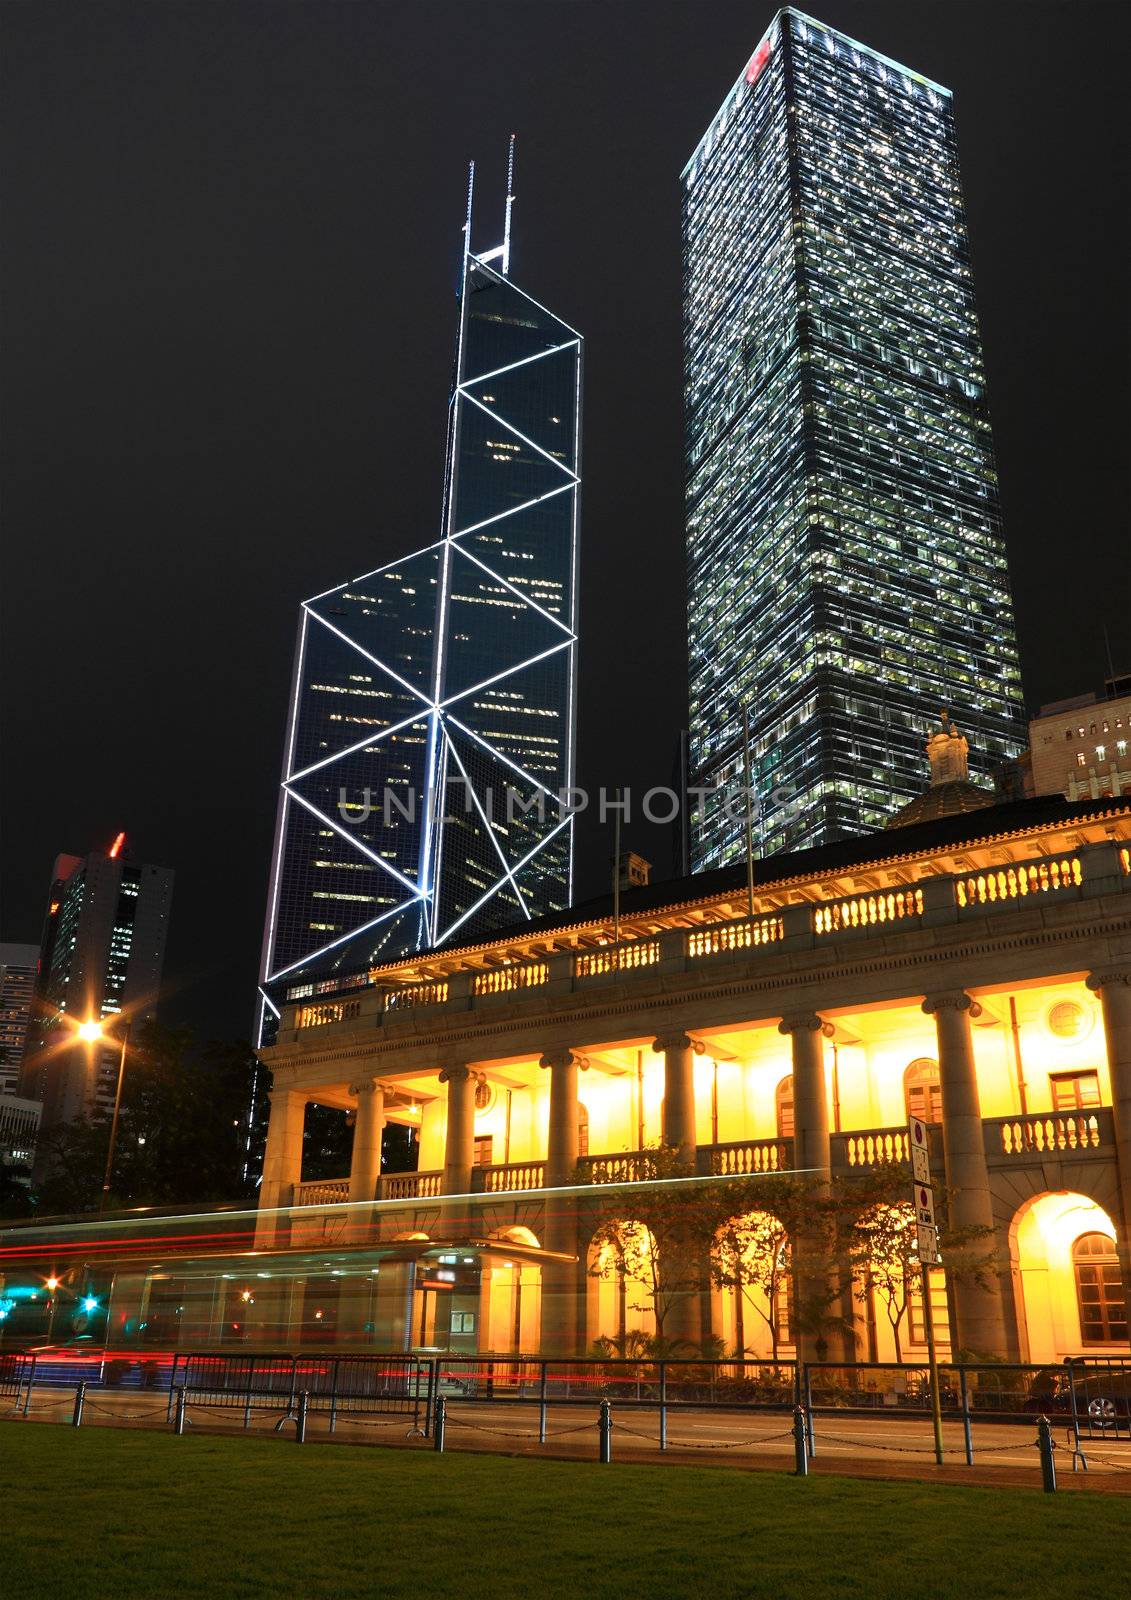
[
  {"x": 18, "y": 966},
  {"x": 432, "y": 722},
  {"x": 103, "y": 950},
  {"x": 846, "y": 568}
]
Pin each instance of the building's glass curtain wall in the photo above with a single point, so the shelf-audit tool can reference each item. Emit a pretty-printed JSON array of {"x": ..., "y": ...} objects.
[
  {"x": 847, "y": 572},
  {"x": 431, "y": 734}
]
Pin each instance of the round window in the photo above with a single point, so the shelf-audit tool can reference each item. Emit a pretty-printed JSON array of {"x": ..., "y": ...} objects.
[{"x": 1068, "y": 1020}]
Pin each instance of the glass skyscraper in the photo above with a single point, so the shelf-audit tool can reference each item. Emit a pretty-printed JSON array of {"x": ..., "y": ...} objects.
[
  {"x": 846, "y": 568},
  {"x": 431, "y": 737}
]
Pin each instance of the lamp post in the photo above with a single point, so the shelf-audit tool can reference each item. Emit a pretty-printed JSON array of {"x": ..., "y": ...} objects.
[{"x": 91, "y": 1033}]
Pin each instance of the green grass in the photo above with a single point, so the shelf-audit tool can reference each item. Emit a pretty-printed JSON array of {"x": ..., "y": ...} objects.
[{"x": 100, "y": 1514}]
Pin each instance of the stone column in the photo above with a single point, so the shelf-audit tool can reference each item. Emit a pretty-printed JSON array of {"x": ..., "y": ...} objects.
[
  {"x": 559, "y": 1227},
  {"x": 365, "y": 1165},
  {"x": 811, "y": 1149},
  {"x": 282, "y": 1160},
  {"x": 978, "y": 1311},
  {"x": 1114, "y": 990},
  {"x": 679, "y": 1095},
  {"x": 561, "y": 1139},
  {"x": 814, "y": 1289},
  {"x": 459, "y": 1141}
]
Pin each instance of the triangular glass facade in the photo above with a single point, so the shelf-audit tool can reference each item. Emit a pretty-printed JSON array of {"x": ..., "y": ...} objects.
[{"x": 431, "y": 735}]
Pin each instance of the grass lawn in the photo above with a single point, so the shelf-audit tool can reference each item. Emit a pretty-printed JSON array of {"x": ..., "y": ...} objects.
[{"x": 100, "y": 1514}]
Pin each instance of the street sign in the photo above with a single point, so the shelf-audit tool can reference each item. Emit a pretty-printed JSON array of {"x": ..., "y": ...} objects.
[
  {"x": 927, "y": 1245},
  {"x": 924, "y": 1206},
  {"x": 918, "y": 1140}
]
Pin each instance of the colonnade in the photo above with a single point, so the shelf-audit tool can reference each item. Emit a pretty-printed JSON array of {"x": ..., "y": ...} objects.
[{"x": 979, "y": 1304}]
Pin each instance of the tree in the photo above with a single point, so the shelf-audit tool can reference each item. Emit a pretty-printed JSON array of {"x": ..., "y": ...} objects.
[
  {"x": 754, "y": 1253},
  {"x": 880, "y": 1243},
  {"x": 659, "y": 1251},
  {"x": 182, "y": 1130}
]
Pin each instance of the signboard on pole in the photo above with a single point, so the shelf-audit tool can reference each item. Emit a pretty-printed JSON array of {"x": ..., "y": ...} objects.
[
  {"x": 924, "y": 1206},
  {"x": 927, "y": 1245},
  {"x": 918, "y": 1140}
]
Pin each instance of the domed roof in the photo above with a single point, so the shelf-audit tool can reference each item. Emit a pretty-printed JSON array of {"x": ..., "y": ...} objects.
[
  {"x": 951, "y": 793},
  {"x": 950, "y": 799}
]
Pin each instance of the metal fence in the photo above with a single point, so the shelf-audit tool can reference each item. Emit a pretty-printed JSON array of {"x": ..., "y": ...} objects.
[
  {"x": 347, "y": 1385},
  {"x": 17, "y": 1374},
  {"x": 1090, "y": 1396}
]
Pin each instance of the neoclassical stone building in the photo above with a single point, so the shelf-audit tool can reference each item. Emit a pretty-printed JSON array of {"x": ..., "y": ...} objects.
[{"x": 973, "y": 968}]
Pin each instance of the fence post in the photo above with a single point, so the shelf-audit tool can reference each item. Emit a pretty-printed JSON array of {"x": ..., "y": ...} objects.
[
  {"x": 663, "y": 1405},
  {"x": 967, "y": 1439},
  {"x": 429, "y": 1398},
  {"x": 440, "y": 1424},
  {"x": 334, "y": 1395},
  {"x": 80, "y": 1396},
  {"x": 808, "y": 1405},
  {"x": 1045, "y": 1446},
  {"x": 605, "y": 1432},
  {"x": 250, "y": 1380},
  {"x": 179, "y": 1412},
  {"x": 542, "y": 1404},
  {"x": 303, "y": 1407},
  {"x": 800, "y": 1443},
  {"x": 27, "y": 1391}
]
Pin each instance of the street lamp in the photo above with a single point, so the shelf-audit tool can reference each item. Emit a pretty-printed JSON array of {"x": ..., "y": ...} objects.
[{"x": 91, "y": 1033}]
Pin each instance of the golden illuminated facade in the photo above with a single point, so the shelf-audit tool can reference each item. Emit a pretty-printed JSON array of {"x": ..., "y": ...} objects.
[{"x": 975, "y": 970}]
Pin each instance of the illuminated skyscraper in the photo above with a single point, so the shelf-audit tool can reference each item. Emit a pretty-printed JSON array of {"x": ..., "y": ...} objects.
[
  {"x": 432, "y": 721},
  {"x": 847, "y": 572},
  {"x": 103, "y": 952}
]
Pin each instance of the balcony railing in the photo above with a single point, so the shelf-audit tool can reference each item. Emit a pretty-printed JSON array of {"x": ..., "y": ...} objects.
[
  {"x": 630, "y": 1166},
  {"x": 725, "y": 937},
  {"x": 322, "y": 1192},
  {"x": 1048, "y": 1133},
  {"x": 745, "y": 1156},
  {"x": 871, "y": 1147},
  {"x": 504, "y": 980},
  {"x": 513, "y": 1176},
  {"x": 1007, "y": 1139},
  {"x": 410, "y": 1186},
  {"x": 617, "y": 958},
  {"x": 1017, "y": 882},
  {"x": 866, "y": 910}
]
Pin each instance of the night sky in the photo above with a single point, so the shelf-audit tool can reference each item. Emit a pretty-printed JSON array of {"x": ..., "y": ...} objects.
[{"x": 229, "y": 246}]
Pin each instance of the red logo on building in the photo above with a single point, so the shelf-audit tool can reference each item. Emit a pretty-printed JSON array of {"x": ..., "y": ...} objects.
[{"x": 757, "y": 62}]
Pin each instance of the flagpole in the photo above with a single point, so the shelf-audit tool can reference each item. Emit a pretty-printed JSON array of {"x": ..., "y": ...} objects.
[
  {"x": 749, "y": 811},
  {"x": 616, "y": 879}
]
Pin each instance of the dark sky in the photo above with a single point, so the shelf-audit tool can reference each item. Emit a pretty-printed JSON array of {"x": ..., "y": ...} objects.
[{"x": 229, "y": 243}]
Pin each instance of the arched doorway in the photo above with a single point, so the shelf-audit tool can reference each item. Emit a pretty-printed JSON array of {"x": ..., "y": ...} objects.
[
  {"x": 752, "y": 1279},
  {"x": 510, "y": 1296},
  {"x": 1070, "y": 1293},
  {"x": 620, "y": 1298}
]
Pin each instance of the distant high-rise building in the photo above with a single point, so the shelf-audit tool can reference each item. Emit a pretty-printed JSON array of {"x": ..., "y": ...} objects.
[
  {"x": 18, "y": 966},
  {"x": 847, "y": 572},
  {"x": 103, "y": 950},
  {"x": 431, "y": 733}
]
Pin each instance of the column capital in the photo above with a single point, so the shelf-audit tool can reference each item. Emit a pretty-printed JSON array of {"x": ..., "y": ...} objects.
[
  {"x": 802, "y": 1022},
  {"x": 362, "y": 1086},
  {"x": 672, "y": 1041},
  {"x": 952, "y": 1000},
  {"x": 1110, "y": 976},
  {"x": 564, "y": 1058},
  {"x": 457, "y": 1073}
]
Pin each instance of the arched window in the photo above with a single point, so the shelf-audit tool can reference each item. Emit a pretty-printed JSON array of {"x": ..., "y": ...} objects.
[
  {"x": 1099, "y": 1290},
  {"x": 921, "y": 1090},
  {"x": 784, "y": 1100},
  {"x": 582, "y": 1129}
]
